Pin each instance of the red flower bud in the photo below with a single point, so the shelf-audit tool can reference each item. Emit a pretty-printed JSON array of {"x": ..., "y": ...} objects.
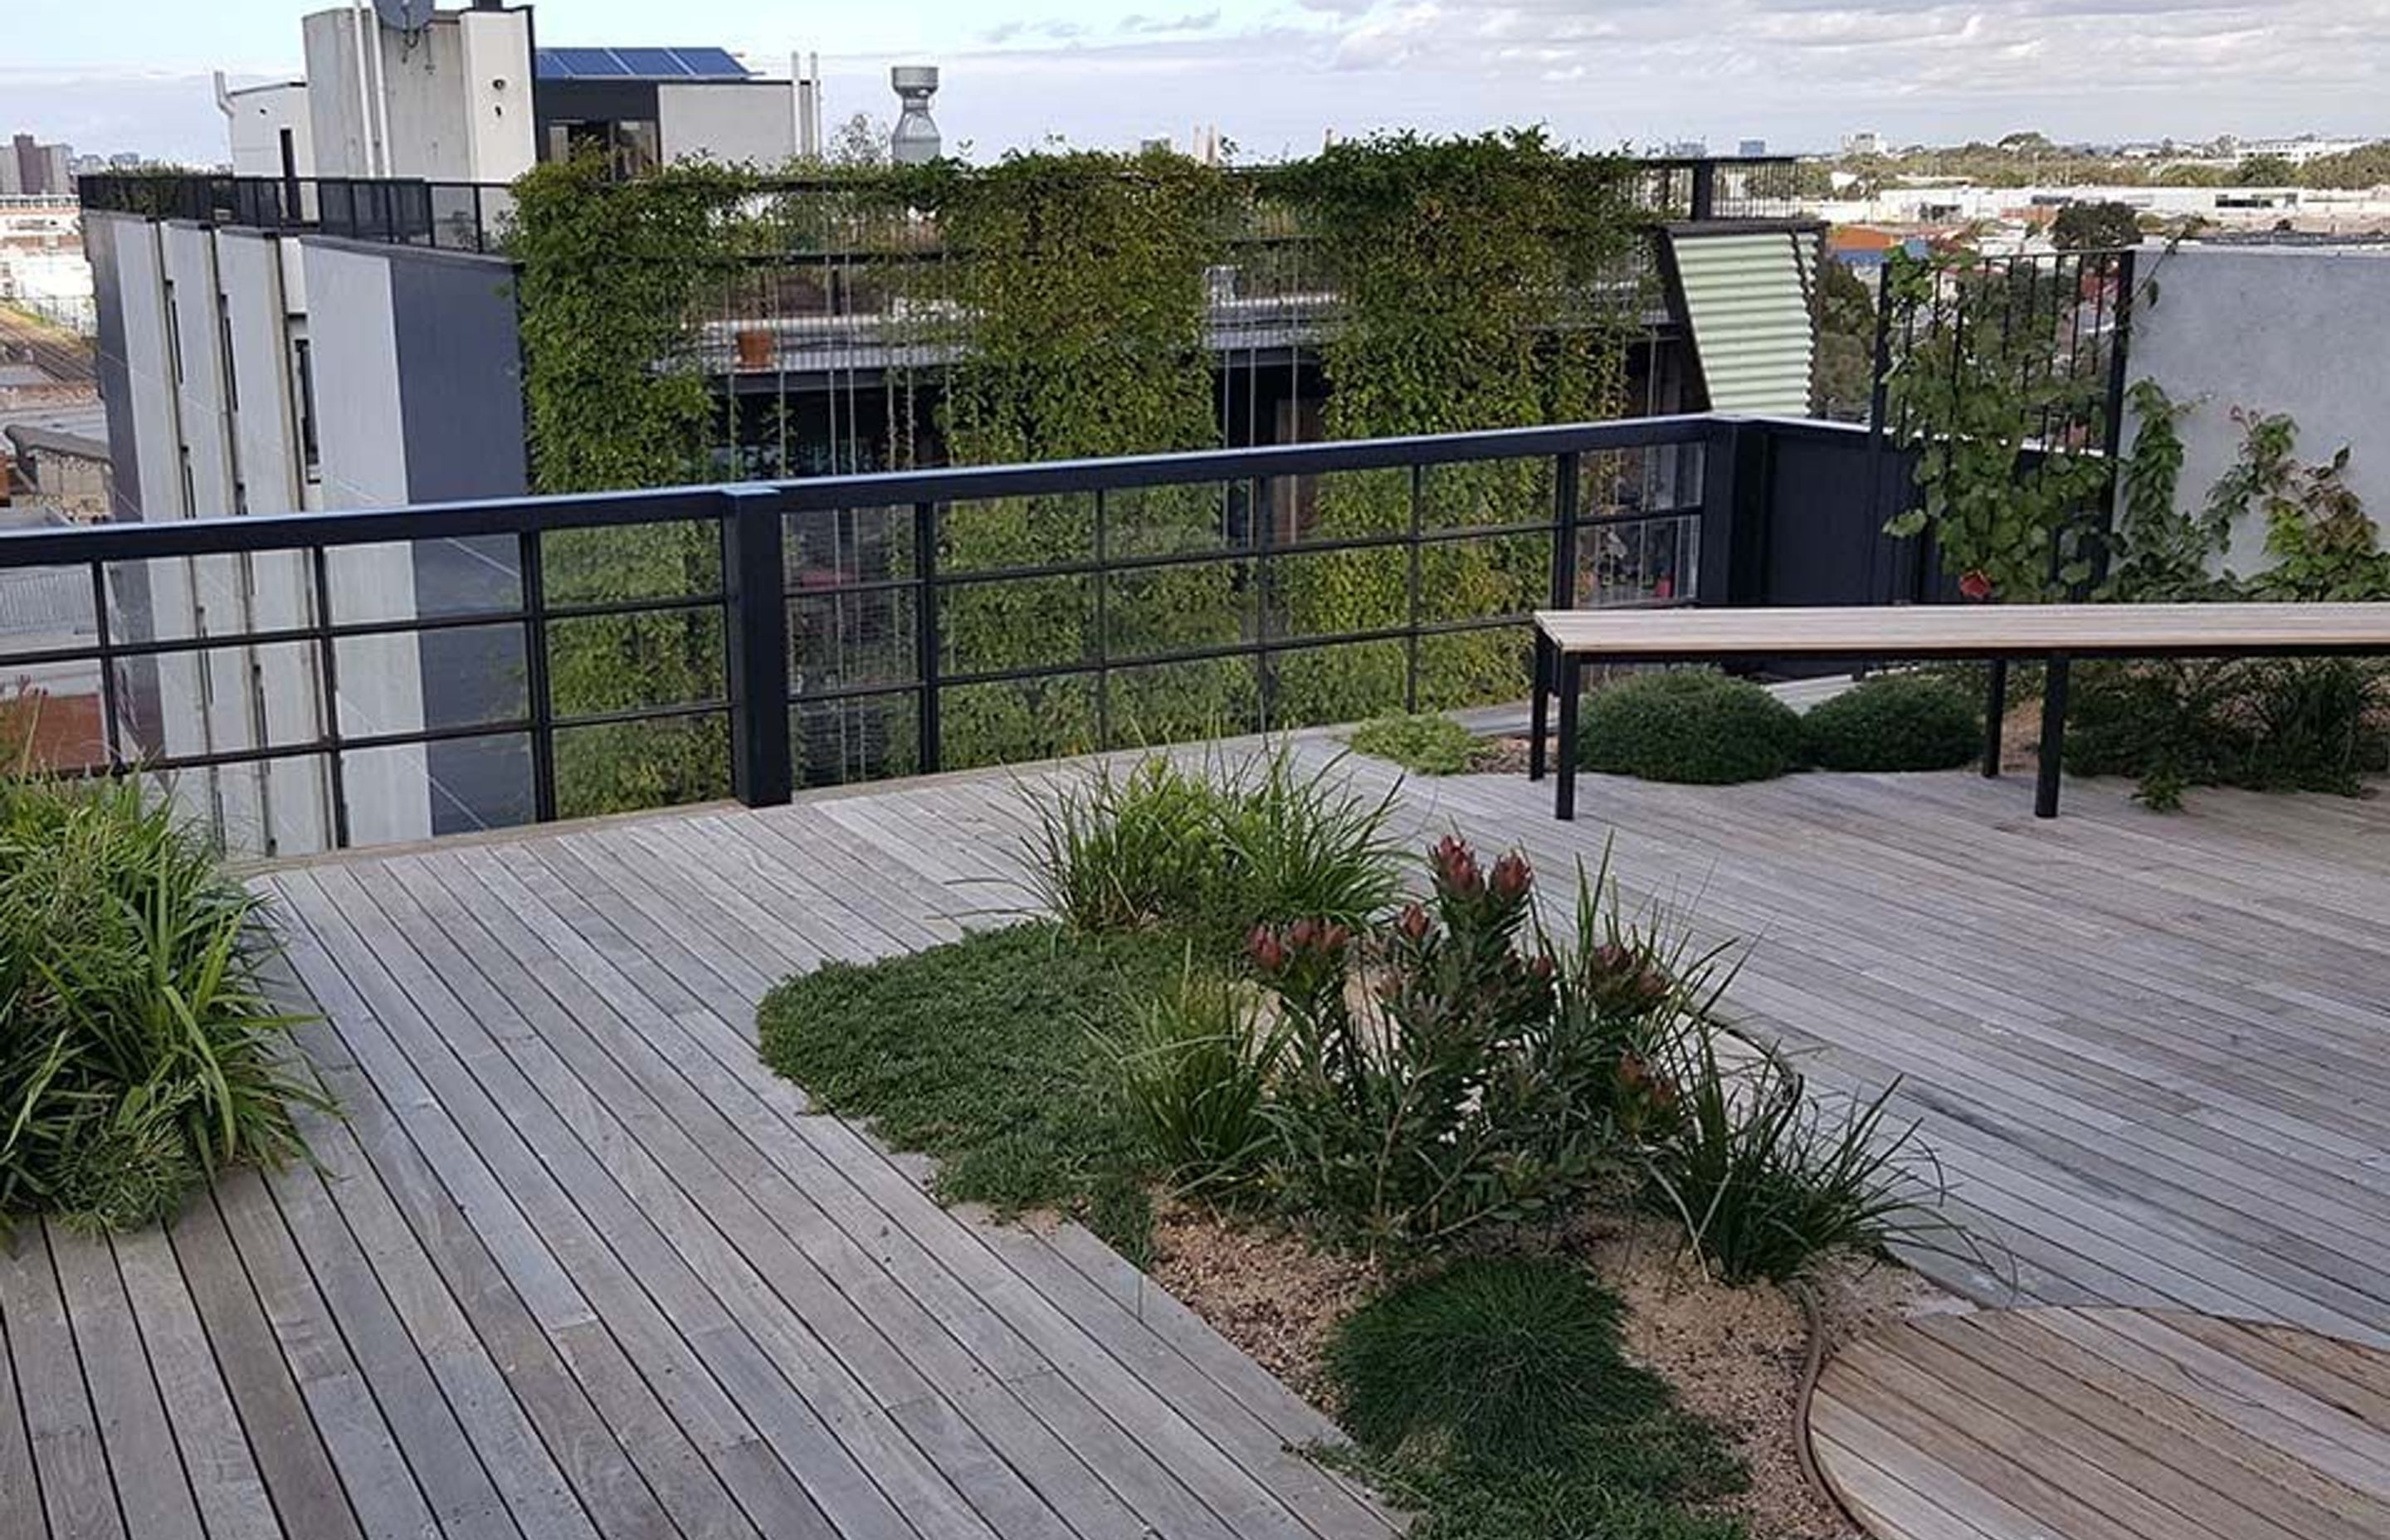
[
  {"x": 1541, "y": 965},
  {"x": 1511, "y": 875},
  {"x": 1975, "y": 586},
  {"x": 1413, "y": 923},
  {"x": 1300, "y": 935},
  {"x": 1267, "y": 953}
]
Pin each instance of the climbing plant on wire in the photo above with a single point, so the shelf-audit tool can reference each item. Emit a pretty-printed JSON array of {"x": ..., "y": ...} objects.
[
  {"x": 1998, "y": 392},
  {"x": 1482, "y": 282},
  {"x": 1075, "y": 315},
  {"x": 616, "y": 397}
]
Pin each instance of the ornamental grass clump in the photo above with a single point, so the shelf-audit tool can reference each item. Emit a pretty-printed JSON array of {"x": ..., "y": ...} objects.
[
  {"x": 1208, "y": 852},
  {"x": 1692, "y": 726},
  {"x": 140, "y": 1049},
  {"x": 1896, "y": 721}
]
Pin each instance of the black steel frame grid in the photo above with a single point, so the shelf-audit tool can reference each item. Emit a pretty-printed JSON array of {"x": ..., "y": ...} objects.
[{"x": 757, "y": 694}]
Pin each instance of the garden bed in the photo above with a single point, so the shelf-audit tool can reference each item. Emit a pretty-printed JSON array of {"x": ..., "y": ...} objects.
[{"x": 1483, "y": 1176}]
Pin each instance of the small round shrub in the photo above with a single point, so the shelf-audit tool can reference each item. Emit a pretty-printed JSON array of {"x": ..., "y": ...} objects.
[
  {"x": 1693, "y": 726},
  {"x": 1896, "y": 721}
]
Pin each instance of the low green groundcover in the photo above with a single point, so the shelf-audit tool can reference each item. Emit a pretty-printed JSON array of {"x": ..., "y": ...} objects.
[
  {"x": 1426, "y": 745},
  {"x": 1693, "y": 726},
  {"x": 980, "y": 1053},
  {"x": 1493, "y": 1397},
  {"x": 1896, "y": 721}
]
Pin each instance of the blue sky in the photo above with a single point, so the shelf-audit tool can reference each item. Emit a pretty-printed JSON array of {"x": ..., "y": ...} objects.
[{"x": 1275, "y": 75}]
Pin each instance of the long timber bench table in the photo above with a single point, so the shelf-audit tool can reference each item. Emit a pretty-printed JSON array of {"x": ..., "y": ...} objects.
[{"x": 1998, "y": 634}]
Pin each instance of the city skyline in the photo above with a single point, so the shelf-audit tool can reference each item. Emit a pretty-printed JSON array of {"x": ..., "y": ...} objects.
[{"x": 1799, "y": 73}]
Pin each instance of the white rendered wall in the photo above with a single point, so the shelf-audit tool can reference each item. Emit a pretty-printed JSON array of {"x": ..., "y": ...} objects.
[
  {"x": 728, "y": 122},
  {"x": 2302, "y": 331},
  {"x": 364, "y": 460},
  {"x": 255, "y": 122}
]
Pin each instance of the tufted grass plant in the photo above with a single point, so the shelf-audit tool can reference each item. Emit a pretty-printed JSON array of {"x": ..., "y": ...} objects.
[{"x": 140, "y": 1049}]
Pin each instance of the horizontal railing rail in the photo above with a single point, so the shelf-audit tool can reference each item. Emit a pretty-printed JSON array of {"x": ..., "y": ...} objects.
[{"x": 906, "y": 620}]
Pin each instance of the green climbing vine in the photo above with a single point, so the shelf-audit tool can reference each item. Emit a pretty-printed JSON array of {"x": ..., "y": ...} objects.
[
  {"x": 2002, "y": 419},
  {"x": 616, "y": 398},
  {"x": 1483, "y": 282},
  {"x": 1055, "y": 305},
  {"x": 1074, "y": 309}
]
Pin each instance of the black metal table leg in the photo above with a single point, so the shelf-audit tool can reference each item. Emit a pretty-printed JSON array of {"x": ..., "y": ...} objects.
[
  {"x": 1539, "y": 712},
  {"x": 2054, "y": 737},
  {"x": 1564, "y": 795},
  {"x": 1996, "y": 710}
]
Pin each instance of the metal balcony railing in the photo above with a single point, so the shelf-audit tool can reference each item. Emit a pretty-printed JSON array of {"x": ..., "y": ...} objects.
[{"x": 840, "y": 628}]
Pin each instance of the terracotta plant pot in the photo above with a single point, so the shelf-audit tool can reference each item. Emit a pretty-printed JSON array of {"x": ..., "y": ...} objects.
[{"x": 755, "y": 348}]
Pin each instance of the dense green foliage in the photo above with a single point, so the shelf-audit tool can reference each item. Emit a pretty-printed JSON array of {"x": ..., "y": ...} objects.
[
  {"x": 1694, "y": 725},
  {"x": 2096, "y": 227},
  {"x": 2004, "y": 481},
  {"x": 1063, "y": 316},
  {"x": 1894, "y": 722},
  {"x": 1478, "y": 287},
  {"x": 1425, "y": 745},
  {"x": 1072, "y": 297},
  {"x": 2315, "y": 725},
  {"x": 616, "y": 398},
  {"x": 980, "y": 1053},
  {"x": 2318, "y": 725},
  {"x": 139, "y": 1049},
  {"x": 1493, "y": 1395}
]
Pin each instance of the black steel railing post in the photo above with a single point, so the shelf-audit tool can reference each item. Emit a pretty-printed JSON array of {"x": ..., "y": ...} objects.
[
  {"x": 1566, "y": 469},
  {"x": 111, "y": 704},
  {"x": 756, "y": 595},
  {"x": 1412, "y": 590},
  {"x": 2112, "y": 424},
  {"x": 1704, "y": 189},
  {"x": 1733, "y": 516},
  {"x": 927, "y": 663},
  {"x": 1101, "y": 577},
  {"x": 540, "y": 695},
  {"x": 329, "y": 677}
]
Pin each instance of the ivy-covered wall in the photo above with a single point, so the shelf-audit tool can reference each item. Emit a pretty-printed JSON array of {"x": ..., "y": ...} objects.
[{"x": 1480, "y": 282}]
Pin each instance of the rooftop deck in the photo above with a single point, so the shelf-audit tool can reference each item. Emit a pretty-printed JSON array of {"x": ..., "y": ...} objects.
[{"x": 577, "y": 1263}]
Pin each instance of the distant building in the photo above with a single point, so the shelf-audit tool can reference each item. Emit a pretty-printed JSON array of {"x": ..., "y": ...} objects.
[
  {"x": 1750, "y": 149},
  {"x": 31, "y": 170},
  {"x": 466, "y": 98},
  {"x": 1865, "y": 143}
]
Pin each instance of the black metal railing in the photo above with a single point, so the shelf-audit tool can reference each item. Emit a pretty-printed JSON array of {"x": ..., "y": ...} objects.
[
  {"x": 844, "y": 627},
  {"x": 448, "y": 216}
]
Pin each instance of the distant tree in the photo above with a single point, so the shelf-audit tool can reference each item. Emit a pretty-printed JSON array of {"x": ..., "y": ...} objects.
[
  {"x": 2367, "y": 166},
  {"x": 2187, "y": 175},
  {"x": 861, "y": 140},
  {"x": 2267, "y": 171},
  {"x": 2096, "y": 227},
  {"x": 1844, "y": 382}
]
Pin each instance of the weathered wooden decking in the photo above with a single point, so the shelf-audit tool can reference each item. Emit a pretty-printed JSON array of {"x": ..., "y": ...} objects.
[
  {"x": 2107, "y": 1424},
  {"x": 577, "y": 1264}
]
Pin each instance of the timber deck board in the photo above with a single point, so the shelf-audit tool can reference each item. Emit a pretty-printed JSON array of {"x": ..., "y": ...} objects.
[{"x": 577, "y": 1263}]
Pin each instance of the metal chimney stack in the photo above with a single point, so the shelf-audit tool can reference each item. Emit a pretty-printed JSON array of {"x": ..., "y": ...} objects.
[{"x": 915, "y": 140}]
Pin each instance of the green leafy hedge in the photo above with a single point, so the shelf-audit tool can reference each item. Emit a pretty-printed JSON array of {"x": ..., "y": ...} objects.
[
  {"x": 1694, "y": 725},
  {"x": 1896, "y": 721}
]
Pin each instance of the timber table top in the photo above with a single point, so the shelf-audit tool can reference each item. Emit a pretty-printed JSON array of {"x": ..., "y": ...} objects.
[{"x": 1973, "y": 630}]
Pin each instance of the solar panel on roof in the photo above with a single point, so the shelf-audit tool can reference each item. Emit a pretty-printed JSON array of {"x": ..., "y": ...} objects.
[
  {"x": 581, "y": 63},
  {"x": 659, "y": 63},
  {"x": 710, "y": 63}
]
